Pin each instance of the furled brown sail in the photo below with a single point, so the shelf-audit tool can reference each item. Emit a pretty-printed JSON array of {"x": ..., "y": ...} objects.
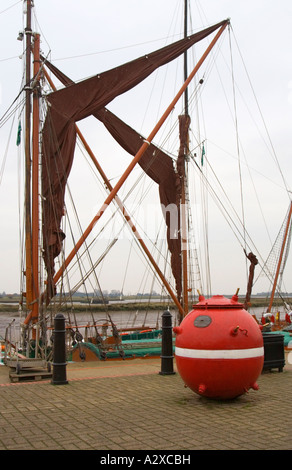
[
  {"x": 157, "y": 165},
  {"x": 73, "y": 103}
]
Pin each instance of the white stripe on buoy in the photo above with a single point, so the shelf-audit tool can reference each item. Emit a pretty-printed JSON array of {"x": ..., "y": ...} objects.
[{"x": 219, "y": 353}]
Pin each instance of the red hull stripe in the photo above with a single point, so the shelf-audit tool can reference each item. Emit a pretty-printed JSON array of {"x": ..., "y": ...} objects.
[{"x": 219, "y": 353}]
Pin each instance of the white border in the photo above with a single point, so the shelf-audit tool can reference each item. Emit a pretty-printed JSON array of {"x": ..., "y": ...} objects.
[{"x": 219, "y": 353}]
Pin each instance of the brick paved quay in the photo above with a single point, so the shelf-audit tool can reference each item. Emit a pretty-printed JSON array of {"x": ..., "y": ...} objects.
[{"x": 128, "y": 405}]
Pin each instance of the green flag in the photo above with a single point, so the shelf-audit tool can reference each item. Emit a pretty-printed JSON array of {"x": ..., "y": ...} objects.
[
  {"x": 18, "y": 140},
  {"x": 203, "y": 153}
]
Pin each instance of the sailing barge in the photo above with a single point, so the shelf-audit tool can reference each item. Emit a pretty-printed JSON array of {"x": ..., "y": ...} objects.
[
  {"x": 54, "y": 156},
  {"x": 49, "y": 153}
]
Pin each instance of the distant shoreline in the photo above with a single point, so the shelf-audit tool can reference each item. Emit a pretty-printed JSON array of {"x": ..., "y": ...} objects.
[{"x": 126, "y": 305}]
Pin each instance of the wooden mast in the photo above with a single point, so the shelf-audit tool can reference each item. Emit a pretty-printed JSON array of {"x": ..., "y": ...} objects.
[
  {"x": 184, "y": 236},
  {"x": 186, "y": 93},
  {"x": 31, "y": 197},
  {"x": 27, "y": 194},
  {"x": 35, "y": 183},
  {"x": 280, "y": 258}
]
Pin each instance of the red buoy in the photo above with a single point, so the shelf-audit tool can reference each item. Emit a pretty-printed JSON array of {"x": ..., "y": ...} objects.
[{"x": 219, "y": 348}]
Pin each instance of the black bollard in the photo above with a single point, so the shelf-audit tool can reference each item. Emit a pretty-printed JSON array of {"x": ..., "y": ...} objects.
[
  {"x": 167, "y": 348},
  {"x": 59, "y": 351}
]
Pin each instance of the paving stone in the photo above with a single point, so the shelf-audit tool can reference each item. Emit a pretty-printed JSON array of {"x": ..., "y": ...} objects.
[{"x": 136, "y": 408}]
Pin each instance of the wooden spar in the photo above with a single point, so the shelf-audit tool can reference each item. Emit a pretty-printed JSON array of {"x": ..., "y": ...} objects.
[
  {"x": 131, "y": 224},
  {"x": 124, "y": 211},
  {"x": 280, "y": 258},
  {"x": 27, "y": 195},
  {"x": 137, "y": 157},
  {"x": 35, "y": 184}
]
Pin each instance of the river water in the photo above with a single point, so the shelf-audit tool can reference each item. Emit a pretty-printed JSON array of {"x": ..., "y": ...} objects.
[{"x": 122, "y": 319}]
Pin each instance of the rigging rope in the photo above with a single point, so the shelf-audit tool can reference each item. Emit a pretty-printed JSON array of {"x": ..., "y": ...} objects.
[
  {"x": 237, "y": 137},
  {"x": 244, "y": 242},
  {"x": 273, "y": 152},
  {"x": 6, "y": 151},
  {"x": 11, "y": 6},
  {"x": 243, "y": 223},
  {"x": 227, "y": 214},
  {"x": 271, "y": 263}
]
